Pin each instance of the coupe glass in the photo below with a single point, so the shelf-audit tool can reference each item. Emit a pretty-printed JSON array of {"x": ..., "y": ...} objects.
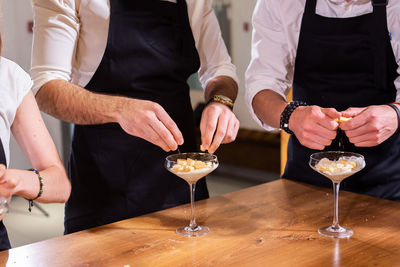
[
  {"x": 336, "y": 176},
  {"x": 4, "y": 206},
  {"x": 192, "y": 177}
]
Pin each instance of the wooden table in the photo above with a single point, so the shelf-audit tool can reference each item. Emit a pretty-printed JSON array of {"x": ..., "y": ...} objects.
[{"x": 273, "y": 224}]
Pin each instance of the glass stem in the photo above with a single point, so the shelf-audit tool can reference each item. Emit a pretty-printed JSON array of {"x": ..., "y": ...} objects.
[
  {"x": 335, "y": 223},
  {"x": 193, "y": 225}
]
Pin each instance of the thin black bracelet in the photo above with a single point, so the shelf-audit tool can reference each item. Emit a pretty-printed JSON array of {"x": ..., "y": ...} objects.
[
  {"x": 40, "y": 190},
  {"x": 398, "y": 116}
]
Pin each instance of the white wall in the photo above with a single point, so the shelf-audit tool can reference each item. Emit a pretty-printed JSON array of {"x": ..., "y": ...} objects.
[
  {"x": 17, "y": 43},
  {"x": 16, "y": 38},
  {"x": 240, "y": 13}
]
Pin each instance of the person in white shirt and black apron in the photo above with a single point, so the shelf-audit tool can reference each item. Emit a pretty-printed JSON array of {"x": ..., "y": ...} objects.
[
  {"x": 116, "y": 173},
  {"x": 343, "y": 67}
]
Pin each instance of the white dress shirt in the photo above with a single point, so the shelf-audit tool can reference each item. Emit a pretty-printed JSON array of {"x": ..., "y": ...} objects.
[
  {"x": 70, "y": 38},
  {"x": 276, "y": 29},
  {"x": 15, "y": 83}
]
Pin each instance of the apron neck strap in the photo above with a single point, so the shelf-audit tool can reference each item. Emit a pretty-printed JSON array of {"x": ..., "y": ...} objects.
[
  {"x": 380, "y": 2},
  {"x": 380, "y": 34},
  {"x": 310, "y": 7}
]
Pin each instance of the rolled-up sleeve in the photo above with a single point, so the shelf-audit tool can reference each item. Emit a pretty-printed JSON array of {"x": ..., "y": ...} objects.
[
  {"x": 56, "y": 28},
  {"x": 214, "y": 57},
  {"x": 271, "y": 62}
]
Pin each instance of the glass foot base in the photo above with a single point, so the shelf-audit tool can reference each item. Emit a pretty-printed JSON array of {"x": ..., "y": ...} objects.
[
  {"x": 335, "y": 232},
  {"x": 198, "y": 231}
]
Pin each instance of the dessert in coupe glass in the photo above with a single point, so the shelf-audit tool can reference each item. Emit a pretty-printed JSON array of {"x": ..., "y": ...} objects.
[
  {"x": 336, "y": 166},
  {"x": 191, "y": 167}
]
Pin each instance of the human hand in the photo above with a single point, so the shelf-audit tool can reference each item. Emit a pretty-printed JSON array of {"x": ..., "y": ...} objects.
[
  {"x": 7, "y": 185},
  {"x": 219, "y": 121},
  {"x": 149, "y": 120},
  {"x": 314, "y": 127},
  {"x": 370, "y": 126}
]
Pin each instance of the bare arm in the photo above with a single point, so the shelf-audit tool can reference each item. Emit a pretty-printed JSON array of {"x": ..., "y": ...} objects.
[
  {"x": 221, "y": 85},
  {"x": 141, "y": 118},
  {"x": 268, "y": 107},
  {"x": 35, "y": 141},
  {"x": 72, "y": 103}
]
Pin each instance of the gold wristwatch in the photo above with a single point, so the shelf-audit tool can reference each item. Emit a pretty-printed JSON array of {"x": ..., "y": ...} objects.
[{"x": 223, "y": 100}]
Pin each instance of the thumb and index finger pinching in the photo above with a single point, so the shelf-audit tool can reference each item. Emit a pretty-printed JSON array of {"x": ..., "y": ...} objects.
[{"x": 331, "y": 112}]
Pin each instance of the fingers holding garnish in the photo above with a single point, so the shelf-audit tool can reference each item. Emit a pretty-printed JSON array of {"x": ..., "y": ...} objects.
[
  {"x": 203, "y": 149},
  {"x": 342, "y": 119}
]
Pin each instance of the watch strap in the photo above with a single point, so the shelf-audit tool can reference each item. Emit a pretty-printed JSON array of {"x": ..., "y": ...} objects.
[
  {"x": 394, "y": 106},
  {"x": 221, "y": 99}
]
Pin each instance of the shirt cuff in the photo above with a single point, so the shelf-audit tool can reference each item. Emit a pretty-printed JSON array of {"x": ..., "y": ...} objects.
[
  {"x": 229, "y": 71},
  {"x": 40, "y": 79}
]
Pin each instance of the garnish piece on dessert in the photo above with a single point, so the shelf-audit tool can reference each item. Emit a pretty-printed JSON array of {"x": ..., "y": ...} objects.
[
  {"x": 190, "y": 165},
  {"x": 340, "y": 166}
]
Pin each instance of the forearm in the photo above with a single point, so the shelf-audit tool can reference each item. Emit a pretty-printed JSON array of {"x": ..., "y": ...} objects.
[
  {"x": 35, "y": 142},
  {"x": 268, "y": 107},
  {"x": 56, "y": 188},
  {"x": 72, "y": 103},
  {"x": 221, "y": 85}
]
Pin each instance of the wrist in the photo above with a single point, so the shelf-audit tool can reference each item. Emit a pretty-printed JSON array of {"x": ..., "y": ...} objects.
[
  {"x": 287, "y": 113},
  {"x": 116, "y": 109},
  {"x": 395, "y": 106},
  {"x": 222, "y": 100},
  {"x": 222, "y": 85},
  {"x": 13, "y": 179}
]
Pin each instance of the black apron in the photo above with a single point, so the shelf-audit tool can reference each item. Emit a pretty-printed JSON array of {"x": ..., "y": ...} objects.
[
  {"x": 150, "y": 54},
  {"x": 4, "y": 241},
  {"x": 336, "y": 67}
]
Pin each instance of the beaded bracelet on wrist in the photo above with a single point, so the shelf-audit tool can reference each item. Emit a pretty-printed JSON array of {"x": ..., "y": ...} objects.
[
  {"x": 40, "y": 189},
  {"x": 287, "y": 112}
]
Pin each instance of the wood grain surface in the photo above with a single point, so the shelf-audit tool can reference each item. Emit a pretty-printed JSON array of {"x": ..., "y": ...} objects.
[{"x": 274, "y": 224}]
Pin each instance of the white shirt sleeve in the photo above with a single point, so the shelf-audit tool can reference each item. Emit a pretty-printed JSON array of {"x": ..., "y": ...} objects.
[
  {"x": 394, "y": 29},
  {"x": 15, "y": 83},
  {"x": 23, "y": 84},
  {"x": 271, "y": 66},
  {"x": 214, "y": 57},
  {"x": 55, "y": 36}
]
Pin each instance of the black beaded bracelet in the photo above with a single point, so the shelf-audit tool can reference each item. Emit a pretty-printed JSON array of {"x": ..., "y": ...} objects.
[
  {"x": 287, "y": 112},
  {"x": 40, "y": 189},
  {"x": 398, "y": 116}
]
